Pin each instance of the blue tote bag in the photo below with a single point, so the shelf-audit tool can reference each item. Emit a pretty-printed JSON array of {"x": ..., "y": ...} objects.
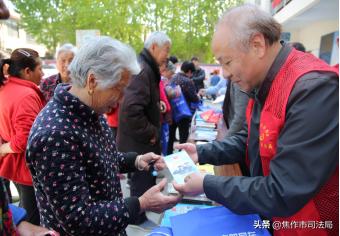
[{"x": 179, "y": 106}]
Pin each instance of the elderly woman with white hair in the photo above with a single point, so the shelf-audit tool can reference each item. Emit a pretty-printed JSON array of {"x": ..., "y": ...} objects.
[
  {"x": 64, "y": 57},
  {"x": 72, "y": 158}
]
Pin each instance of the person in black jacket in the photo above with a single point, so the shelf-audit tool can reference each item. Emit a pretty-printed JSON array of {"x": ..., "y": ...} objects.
[
  {"x": 198, "y": 75},
  {"x": 139, "y": 115}
]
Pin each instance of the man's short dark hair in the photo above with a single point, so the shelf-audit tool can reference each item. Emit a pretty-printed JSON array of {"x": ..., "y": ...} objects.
[
  {"x": 173, "y": 59},
  {"x": 187, "y": 66},
  {"x": 298, "y": 46},
  {"x": 194, "y": 59}
]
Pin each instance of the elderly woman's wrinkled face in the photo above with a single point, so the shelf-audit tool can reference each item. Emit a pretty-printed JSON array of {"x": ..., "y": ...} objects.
[
  {"x": 168, "y": 74},
  {"x": 105, "y": 100},
  {"x": 63, "y": 61}
]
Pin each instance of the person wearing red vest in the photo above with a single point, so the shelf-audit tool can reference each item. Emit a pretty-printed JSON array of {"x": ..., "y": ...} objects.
[{"x": 290, "y": 141}]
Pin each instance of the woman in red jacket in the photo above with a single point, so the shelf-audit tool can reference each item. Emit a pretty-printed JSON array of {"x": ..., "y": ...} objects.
[{"x": 20, "y": 103}]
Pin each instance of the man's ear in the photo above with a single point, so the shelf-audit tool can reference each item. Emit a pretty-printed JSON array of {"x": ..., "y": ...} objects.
[
  {"x": 257, "y": 45},
  {"x": 153, "y": 47}
]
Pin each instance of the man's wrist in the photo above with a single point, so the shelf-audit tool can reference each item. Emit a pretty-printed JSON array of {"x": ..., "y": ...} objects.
[{"x": 142, "y": 205}]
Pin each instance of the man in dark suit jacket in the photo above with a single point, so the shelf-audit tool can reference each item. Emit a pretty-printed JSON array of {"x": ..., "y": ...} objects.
[{"x": 139, "y": 116}]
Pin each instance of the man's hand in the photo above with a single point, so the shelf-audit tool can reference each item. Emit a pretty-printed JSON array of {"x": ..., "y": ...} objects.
[
  {"x": 143, "y": 162},
  {"x": 154, "y": 200},
  {"x": 190, "y": 149},
  {"x": 193, "y": 185},
  {"x": 27, "y": 229}
]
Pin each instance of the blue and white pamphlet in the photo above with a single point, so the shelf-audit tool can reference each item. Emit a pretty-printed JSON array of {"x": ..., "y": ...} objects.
[{"x": 180, "y": 165}]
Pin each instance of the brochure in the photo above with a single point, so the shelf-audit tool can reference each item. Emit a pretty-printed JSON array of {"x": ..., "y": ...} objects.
[{"x": 180, "y": 165}]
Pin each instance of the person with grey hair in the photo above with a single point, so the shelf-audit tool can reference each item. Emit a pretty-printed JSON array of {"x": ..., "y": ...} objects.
[
  {"x": 139, "y": 115},
  {"x": 171, "y": 68},
  {"x": 64, "y": 56},
  {"x": 71, "y": 156},
  {"x": 168, "y": 73},
  {"x": 291, "y": 137},
  {"x": 166, "y": 115}
]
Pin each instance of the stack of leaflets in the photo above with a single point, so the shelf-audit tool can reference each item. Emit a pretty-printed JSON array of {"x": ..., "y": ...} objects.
[
  {"x": 204, "y": 135},
  {"x": 211, "y": 116},
  {"x": 203, "y": 130}
]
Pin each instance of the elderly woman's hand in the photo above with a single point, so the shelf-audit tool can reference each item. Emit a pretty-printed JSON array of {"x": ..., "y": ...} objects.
[
  {"x": 154, "y": 200},
  {"x": 143, "y": 162}
]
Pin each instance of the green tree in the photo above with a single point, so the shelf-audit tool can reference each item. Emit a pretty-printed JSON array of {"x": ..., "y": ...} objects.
[
  {"x": 42, "y": 20},
  {"x": 189, "y": 23}
]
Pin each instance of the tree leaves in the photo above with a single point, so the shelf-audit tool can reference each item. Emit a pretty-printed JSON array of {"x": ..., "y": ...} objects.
[{"x": 189, "y": 23}]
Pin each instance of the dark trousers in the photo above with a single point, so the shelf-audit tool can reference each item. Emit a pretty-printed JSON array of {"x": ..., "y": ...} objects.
[
  {"x": 183, "y": 128},
  {"x": 141, "y": 181},
  {"x": 29, "y": 203},
  {"x": 8, "y": 189}
]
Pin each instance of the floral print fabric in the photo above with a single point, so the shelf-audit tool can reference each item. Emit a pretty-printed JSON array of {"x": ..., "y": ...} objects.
[{"x": 74, "y": 165}]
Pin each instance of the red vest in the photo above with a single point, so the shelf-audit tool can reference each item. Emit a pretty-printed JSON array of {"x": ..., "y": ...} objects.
[{"x": 325, "y": 205}]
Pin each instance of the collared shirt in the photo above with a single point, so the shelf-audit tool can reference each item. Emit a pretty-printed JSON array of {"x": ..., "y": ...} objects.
[
  {"x": 307, "y": 150},
  {"x": 74, "y": 164}
]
